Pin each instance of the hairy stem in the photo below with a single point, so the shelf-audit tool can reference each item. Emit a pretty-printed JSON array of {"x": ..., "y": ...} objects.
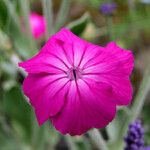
[
  {"x": 138, "y": 101},
  {"x": 70, "y": 143},
  {"x": 25, "y": 7},
  {"x": 12, "y": 12},
  {"x": 109, "y": 27},
  {"x": 62, "y": 14},
  {"x": 97, "y": 138},
  {"x": 48, "y": 13}
]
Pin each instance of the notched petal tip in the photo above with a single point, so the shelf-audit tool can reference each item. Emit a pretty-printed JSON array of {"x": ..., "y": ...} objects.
[
  {"x": 67, "y": 36},
  {"x": 20, "y": 64},
  {"x": 65, "y": 29},
  {"x": 114, "y": 46},
  {"x": 23, "y": 65},
  {"x": 111, "y": 44},
  {"x": 123, "y": 55},
  {"x": 63, "y": 32}
]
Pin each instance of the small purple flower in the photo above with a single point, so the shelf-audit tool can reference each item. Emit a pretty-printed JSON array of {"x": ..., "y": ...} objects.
[
  {"x": 108, "y": 8},
  {"x": 135, "y": 137}
]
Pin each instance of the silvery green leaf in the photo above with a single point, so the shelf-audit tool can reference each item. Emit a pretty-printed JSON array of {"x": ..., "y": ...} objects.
[{"x": 79, "y": 25}]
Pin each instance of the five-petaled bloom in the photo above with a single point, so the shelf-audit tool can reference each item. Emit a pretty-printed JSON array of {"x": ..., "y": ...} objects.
[{"x": 76, "y": 84}]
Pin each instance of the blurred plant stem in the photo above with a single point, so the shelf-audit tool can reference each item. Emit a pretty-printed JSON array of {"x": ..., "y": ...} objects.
[
  {"x": 70, "y": 142},
  {"x": 34, "y": 133},
  {"x": 109, "y": 23},
  {"x": 144, "y": 88},
  {"x": 147, "y": 10},
  {"x": 14, "y": 59},
  {"x": 139, "y": 100},
  {"x": 141, "y": 95},
  {"x": 48, "y": 13},
  {"x": 40, "y": 139},
  {"x": 25, "y": 8},
  {"x": 132, "y": 15},
  {"x": 131, "y": 5},
  {"x": 97, "y": 138},
  {"x": 11, "y": 9},
  {"x": 87, "y": 143},
  {"x": 109, "y": 27},
  {"x": 4, "y": 124},
  {"x": 62, "y": 14}
]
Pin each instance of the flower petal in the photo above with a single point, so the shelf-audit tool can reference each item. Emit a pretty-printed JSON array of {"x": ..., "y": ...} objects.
[
  {"x": 51, "y": 60},
  {"x": 80, "y": 48},
  {"x": 60, "y": 52},
  {"x": 124, "y": 56},
  {"x": 44, "y": 63},
  {"x": 113, "y": 66},
  {"x": 85, "y": 109},
  {"x": 77, "y": 85},
  {"x": 46, "y": 94}
]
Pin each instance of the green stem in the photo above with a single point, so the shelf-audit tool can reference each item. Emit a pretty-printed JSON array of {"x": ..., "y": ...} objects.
[
  {"x": 70, "y": 143},
  {"x": 12, "y": 12},
  {"x": 48, "y": 13},
  {"x": 109, "y": 27},
  {"x": 86, "y": 143},
  {"x": 14, "y": 59},
  {"x": 25, "y": 7},
  {"x": 139, "y": 100},
  {"x": 132, "y": 16},
  {"x": 131, "y": 5},
  {"x": 109, "y": 21},
  {"x": 35, "y": 132},
  {"x": 141, "y": 95},
  {"x": 97, "y": 138},
  {"x": 62, "y": 14}
]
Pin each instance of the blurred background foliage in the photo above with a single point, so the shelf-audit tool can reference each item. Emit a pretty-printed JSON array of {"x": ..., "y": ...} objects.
[{"x": 128, "y": 25}]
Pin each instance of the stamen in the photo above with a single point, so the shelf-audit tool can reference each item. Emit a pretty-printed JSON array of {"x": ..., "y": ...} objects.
[{"x": 74, "y": 73}]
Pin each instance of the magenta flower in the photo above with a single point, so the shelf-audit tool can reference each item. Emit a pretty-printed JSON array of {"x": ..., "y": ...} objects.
[
  {"x": 38, "y": 25},
  {"x": 76, "y": 84}
]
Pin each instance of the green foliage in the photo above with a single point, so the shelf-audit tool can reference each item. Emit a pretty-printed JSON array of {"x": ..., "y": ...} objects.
[
  {"x": 13, "y": 27},
  {"x": 145, "y": 114},
  {"x": 3, "y": 15},
  {"x": 13, "y": 102},
  {"x": 18, "y": 127},
  {"x": 78, "y": 26}
]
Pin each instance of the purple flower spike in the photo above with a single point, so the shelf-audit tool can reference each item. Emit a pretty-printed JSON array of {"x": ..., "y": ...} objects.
[
  {"x": 108, "y": 8},
  {"x": 135, "y": 137}
]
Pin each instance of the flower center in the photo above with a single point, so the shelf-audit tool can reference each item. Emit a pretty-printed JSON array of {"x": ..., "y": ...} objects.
[{"x": 74, "y": 73}]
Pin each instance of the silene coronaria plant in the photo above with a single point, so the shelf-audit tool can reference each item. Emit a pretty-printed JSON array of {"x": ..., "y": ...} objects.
[{"x": 78, "y": 85}]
